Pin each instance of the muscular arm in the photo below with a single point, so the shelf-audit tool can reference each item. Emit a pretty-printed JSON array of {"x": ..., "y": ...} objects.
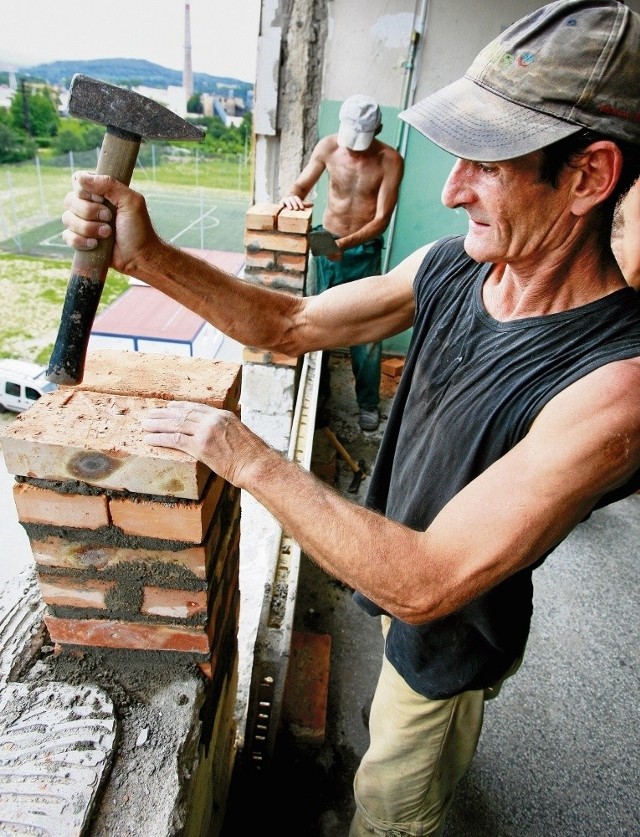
[
  {"x": 248, "y": 313},
  {"x": 308, "y": 177},
  {"x": 585, "y": 442}
]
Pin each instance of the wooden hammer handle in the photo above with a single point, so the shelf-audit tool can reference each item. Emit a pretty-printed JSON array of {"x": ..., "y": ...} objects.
[{"x": 118, "y": 157}]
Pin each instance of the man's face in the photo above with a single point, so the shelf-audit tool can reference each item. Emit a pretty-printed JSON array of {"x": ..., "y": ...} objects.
[{"x": 512, "y": 217}]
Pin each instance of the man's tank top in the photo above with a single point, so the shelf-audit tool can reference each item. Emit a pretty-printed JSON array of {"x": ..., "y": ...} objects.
[{"x": 470, "y": 390}]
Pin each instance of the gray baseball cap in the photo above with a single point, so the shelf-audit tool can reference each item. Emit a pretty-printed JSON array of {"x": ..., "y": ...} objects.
[{"x": 567, "y": 66}]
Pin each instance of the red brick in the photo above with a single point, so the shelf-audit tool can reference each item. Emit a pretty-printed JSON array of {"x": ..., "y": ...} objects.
[
  {"x": 110, "y": 633},
  {"x": 292, "y": 261},
  {"x": 289, "y": 282},
  {"x": 170, "y": 521},
  {"x": 42, "y": 505},
  {"x": 392, "y": 366},
  {"x": 304, "y": 702},
  {"x": 57, "y": 552},
  {"x": 69, "y": 591},
  {"x": 251, "y": 355},
  {"x": 175, "y": 604},
  {"x": 278, "y": 242}
]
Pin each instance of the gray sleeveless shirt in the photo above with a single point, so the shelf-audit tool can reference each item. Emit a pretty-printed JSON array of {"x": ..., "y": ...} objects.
[{"x": 470, "y": 389}]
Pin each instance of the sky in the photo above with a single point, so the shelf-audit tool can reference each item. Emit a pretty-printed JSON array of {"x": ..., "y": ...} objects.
[{"x": 223, "y": 33}]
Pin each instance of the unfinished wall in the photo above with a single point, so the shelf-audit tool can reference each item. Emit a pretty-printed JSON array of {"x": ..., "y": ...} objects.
[
  {"x": 276, "y": 253},
  {"x": 136, "y": 555}
]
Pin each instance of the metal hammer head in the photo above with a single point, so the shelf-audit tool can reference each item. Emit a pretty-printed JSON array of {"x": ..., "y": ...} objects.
[{"x": 126, "y": 111}]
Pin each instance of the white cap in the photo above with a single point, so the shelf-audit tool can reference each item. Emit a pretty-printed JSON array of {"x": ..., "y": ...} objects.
[{"x": 360, "y": 118}]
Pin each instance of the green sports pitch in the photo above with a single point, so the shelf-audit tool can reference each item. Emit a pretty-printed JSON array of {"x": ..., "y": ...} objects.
[{"x": 187, "y": 217}]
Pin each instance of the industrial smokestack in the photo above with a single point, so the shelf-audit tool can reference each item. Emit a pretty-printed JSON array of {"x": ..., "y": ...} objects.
[{"x": 187, "y": 73}]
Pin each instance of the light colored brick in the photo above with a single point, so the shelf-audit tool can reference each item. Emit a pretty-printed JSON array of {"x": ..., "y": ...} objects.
[
  {"x": 295, "y": 220},
  {"x": 98, "y": 439},
  {"x": 263, "y": 259},
  {"x": 262, "y": 216},
  {"x": 251, "y": 355},
  {"x": 149, "y": 375}
]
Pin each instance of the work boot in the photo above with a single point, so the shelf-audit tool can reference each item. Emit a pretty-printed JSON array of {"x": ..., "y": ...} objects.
[{"x": 369, "y": 419}]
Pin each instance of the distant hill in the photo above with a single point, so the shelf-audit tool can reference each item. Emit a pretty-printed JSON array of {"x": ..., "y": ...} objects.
[{"x": 133, "y": 72}]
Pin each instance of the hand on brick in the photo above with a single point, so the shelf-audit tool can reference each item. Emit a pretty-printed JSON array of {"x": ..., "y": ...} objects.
[
  {"x": 294, "y": 202},
  {"x": 213, "y": 436},
  {"x": 88, "y": 217}
]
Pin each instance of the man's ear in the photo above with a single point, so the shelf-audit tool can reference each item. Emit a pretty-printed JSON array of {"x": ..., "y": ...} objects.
[{"x": 595, "y": 175}]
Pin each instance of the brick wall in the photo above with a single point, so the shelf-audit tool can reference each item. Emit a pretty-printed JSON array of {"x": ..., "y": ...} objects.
[
  {"x": 135, "y": 547},
  {"x": 276, "y": 256}
]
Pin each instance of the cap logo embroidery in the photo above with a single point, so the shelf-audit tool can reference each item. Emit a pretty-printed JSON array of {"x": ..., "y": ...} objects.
[{"x": 526, "y": 59}]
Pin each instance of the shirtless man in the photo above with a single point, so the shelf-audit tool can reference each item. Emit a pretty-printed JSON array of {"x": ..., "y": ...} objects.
[{"x": 364, "y": 179}]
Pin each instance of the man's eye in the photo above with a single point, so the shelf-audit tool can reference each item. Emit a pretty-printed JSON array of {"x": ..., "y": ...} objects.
[{"x": 486, "y": 167}]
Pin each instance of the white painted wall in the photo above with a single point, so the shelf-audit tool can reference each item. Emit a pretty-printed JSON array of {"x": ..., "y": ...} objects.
[
  {"x": 366, "y": 49},
  {"x": 369, "y": 43}
]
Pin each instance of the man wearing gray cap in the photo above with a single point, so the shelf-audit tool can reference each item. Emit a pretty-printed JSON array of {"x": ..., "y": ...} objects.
[
  {"x": 518, "y": 411},
  {"x": 364, "y": 179}
]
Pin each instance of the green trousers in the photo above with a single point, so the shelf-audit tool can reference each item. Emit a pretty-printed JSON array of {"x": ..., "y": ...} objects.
[{"x": 356, "y": 263}]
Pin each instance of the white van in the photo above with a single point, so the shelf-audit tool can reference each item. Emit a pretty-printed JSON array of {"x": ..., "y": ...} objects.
[{"x": 21, "y": 384}]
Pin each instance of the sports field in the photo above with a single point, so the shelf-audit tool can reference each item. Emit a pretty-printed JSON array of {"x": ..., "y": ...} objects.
[{"x": 187, "y": 206}]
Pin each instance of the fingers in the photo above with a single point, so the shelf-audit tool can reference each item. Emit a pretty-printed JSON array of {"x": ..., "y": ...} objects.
[
  {"x": 180, "y": 418},
  {"x": 86, "y": 218},
  {"x": 294, "y": 202}
]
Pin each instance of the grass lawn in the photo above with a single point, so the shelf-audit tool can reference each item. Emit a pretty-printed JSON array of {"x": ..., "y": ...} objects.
[{"x": 32, "y": 291}]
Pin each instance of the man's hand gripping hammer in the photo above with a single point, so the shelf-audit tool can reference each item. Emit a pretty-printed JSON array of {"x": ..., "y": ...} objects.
[{"x": 129, "y": 118}]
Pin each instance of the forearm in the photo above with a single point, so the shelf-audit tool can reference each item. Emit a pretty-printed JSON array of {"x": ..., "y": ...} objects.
[
  {"x": 248, "y": 313},
  {"x": 355, "y": 545},
  {"x": 365, "y": 233}
]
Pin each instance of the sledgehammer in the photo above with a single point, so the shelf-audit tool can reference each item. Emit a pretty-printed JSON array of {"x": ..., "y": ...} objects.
[{"x": 129, "y": 118}]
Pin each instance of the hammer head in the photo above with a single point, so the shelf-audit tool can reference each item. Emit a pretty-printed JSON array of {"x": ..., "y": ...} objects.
[{"x": 127, "y": 111}]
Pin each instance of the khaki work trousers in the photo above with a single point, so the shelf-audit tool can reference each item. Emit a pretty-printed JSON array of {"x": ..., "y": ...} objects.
[{"x": 419, "y": 751}]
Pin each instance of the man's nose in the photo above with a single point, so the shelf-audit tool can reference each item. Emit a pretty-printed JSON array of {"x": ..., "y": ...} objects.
[{"x": 456, "y": 189}]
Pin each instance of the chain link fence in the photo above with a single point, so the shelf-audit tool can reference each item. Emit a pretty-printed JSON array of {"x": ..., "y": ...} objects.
[{"x": 31, "y": 193}]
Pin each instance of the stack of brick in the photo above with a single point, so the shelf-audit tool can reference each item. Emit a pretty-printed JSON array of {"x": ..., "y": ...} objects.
[
  {"x": 276, "y": 256},
  {"x": 136, "y": 547}
]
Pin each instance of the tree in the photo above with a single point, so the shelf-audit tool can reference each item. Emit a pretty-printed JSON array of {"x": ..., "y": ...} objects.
[
  {"x": 77, "y": 135},
  {"x": 14, "y": 146},
  {"x": 194, "y": 104},
  {"x": 34, "y": 113}
]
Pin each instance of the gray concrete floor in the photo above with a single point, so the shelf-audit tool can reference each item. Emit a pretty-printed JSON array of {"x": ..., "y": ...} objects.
[{"x": 559, "y": 752}]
